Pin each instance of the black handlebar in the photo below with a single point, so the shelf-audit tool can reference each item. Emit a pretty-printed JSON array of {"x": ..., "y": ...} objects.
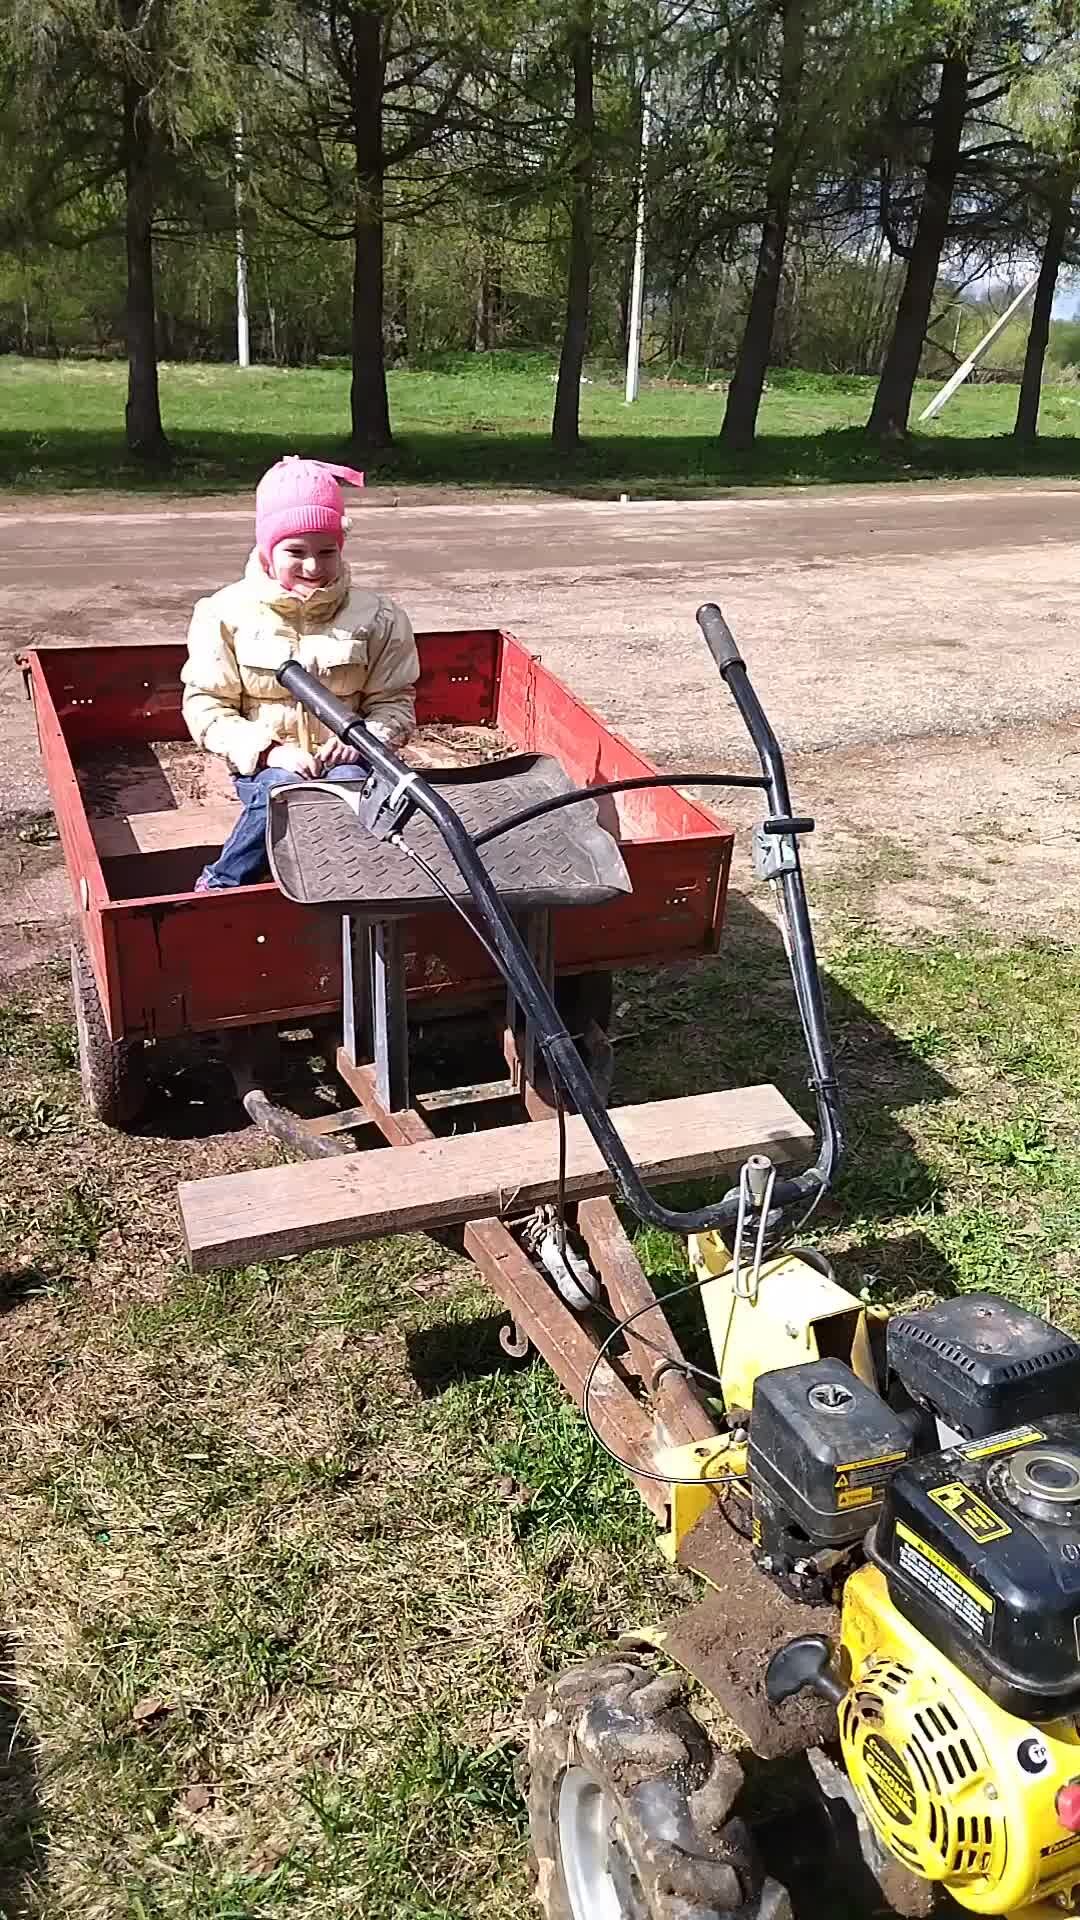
[
  {"x": 718, "y": 637},
  {"x": 318, "y": 700},
  {"x": 497, "y": 929}
]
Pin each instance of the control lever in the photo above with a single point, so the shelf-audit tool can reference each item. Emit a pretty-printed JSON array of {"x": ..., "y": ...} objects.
[{"x": 805, "y": 1662}]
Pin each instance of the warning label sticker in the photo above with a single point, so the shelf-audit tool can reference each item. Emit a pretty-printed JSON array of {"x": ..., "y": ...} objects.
[
  {"x": 944, "y": 1583},
  {"x": 970, "y": 1511},
  {"x": 854, "y": 1497},
  {"x": 1001, "y": 1442},
  {"x": 890, "y": 1780},
  {"x": 859, "y": 1482}
]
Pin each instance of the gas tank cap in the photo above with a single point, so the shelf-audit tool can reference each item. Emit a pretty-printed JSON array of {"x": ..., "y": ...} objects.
[
  {"x": 1043, "y": 1481},
  {"x": 831, "y": 1396}
]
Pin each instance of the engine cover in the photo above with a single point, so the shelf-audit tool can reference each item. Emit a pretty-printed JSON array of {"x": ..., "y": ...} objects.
[
  {"x": 980, "y": 1548},
  {"x": 982, "y": 1364},
  {"x": 960, "y": 1791},
  {"x": 822, "y": 1446}
]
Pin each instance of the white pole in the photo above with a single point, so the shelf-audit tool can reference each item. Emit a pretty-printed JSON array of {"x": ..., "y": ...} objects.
[
  {"x": 243, "y": 338},
  {"x": 637, "y": 280},
  {"x": 957, "y": 379}
]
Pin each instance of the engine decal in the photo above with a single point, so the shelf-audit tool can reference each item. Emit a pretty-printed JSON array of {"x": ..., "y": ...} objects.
[
  {"x": 946, "y": 1584},
  {"x": 890, "y": 1779},
  {"x": 970, "y": 1511},
  {"x": 1032, "y": 1754},
  {"x": 1060, "y": 1846},
  {"x": 859, "y": 1482},
  {"x": 1002, "y": 1442}
]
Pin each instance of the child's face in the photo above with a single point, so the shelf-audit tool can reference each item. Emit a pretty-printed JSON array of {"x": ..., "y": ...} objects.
[{"x": 305, "y": 561}]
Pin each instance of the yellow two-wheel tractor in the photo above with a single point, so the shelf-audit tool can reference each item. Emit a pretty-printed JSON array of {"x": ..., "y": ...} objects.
[{"x": 885, "y": 1514}]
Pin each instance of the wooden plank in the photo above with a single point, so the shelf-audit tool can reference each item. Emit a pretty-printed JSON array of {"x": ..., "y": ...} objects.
[
  {"x": 405, "y": 1129},
  {"x": 479, "y": 1093},
  {"x": 654, "y": 1352},
  {"x": 233, "y": 1218},
  {"x": 343, "y": 1122}
]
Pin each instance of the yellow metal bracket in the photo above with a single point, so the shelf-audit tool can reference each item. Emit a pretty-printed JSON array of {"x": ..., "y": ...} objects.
[
  {"x": 694, "y": 1471},
  {"x": 793, "y": 1313}
]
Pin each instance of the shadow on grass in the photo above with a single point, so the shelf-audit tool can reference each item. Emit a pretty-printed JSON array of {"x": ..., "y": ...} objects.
[
  {"x": 731, "y": 1021},
  {"x": 676, "y": 465},
  {"x": 22, "y": 1820},
  {"x": 18, "y": 1286},
  {"x": 442, "y": 1356}
]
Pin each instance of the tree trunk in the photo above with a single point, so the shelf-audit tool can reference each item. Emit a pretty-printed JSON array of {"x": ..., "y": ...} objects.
[
  {"x": 1027, "y": 410},
  {"x": 488, "y": 296},
  {"x": 892, "y": 401},
  {"x": 142, "y": 417},
  {"x": 565, "y": 424},
  {"x": 752, "y": 360},
  {"x": 370, "y": 407},
  {"x": 479, "y": 341}
]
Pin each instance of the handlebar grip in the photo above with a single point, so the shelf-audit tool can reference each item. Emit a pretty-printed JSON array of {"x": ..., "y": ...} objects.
[
  {"x": 718, "y": 637},
  {"x": 316, "y": 698}
]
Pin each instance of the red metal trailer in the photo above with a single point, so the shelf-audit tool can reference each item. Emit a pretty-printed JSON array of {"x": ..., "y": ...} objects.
[{"x": 163, "y": 961}]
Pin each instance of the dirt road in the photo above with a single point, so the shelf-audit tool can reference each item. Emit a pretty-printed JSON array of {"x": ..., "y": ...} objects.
[{"x": 916, "y": 648}]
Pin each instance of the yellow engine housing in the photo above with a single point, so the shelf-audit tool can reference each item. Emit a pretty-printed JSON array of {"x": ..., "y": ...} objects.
[{"x": 957, "y": 1789}]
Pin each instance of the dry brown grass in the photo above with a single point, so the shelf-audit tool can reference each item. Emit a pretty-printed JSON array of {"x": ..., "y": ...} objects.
[{"x": 272, "y": 1614}]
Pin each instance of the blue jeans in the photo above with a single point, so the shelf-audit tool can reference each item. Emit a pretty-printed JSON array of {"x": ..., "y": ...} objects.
[{"x": 242, "y": 859}]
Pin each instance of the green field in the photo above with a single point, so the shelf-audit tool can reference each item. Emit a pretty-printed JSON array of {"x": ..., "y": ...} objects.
[{"x": 483, "y": 420}]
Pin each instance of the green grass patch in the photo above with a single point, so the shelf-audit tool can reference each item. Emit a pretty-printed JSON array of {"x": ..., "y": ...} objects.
[
  {"x": 483, "y": 421},
  {"x": 286, "y": 1548}
]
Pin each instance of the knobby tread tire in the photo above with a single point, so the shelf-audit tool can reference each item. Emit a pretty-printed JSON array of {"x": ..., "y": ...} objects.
[
  {"x": 631, "y": 1730},
  {"x": 112, "y": 1071}
]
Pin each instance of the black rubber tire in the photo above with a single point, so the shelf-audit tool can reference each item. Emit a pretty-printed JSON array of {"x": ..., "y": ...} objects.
[
  {"x": 676, "y": 1851},
  {"x": 112, "y": 1071},
  {"x": 833, "y": 1858}
]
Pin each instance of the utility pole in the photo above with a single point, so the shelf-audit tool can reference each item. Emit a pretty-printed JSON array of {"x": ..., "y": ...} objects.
[
  {"x": 957, "y": 379},
  {"x": 637, "y": 280},
  {"x": 243, "y": 338}
]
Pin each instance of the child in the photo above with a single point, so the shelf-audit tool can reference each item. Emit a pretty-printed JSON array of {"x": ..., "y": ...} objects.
[{"x": 295, "y": 602}]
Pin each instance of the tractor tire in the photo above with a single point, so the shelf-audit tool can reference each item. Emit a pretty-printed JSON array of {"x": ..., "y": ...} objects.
[
  {"x": 112, "y": 1071},
  {"x": 630, "y": 1805}
]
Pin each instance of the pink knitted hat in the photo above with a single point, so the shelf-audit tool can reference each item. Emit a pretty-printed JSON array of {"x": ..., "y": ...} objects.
[{"x": 300, "y": 496}]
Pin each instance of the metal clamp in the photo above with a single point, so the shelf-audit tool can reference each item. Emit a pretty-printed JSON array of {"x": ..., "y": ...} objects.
[
  {"x": 384, "y": 809},
  {"x": 774, "y": 854}
]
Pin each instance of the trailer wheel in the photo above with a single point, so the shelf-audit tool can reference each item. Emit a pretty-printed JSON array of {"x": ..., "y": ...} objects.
[
  {"x": 112, "y": 1071},
  {"x": 630, "y": 1805}
]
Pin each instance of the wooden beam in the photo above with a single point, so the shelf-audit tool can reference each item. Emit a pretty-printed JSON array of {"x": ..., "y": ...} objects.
[
  {"x": 343, "y": 1121},
  {"x": 230, "y": 1219},
  {"x": 405, "y": 1129},
  {"x": 559, "y": 1336},
  {"x": 654, "y": 1352}
]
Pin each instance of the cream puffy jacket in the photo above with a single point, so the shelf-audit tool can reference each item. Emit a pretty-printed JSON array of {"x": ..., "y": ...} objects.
[{"x": 359, "y": 644}]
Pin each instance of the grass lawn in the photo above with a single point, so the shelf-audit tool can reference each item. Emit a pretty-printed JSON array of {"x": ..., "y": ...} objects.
[
  {"x": 483, "y": 420},
  {"x": 284, "y": 1549}
]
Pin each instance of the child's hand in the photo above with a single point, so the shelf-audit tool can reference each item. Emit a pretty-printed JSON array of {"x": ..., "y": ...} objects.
[
  {"x": 293, "y": 759},
  {"x": 334, "y": 753}
]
